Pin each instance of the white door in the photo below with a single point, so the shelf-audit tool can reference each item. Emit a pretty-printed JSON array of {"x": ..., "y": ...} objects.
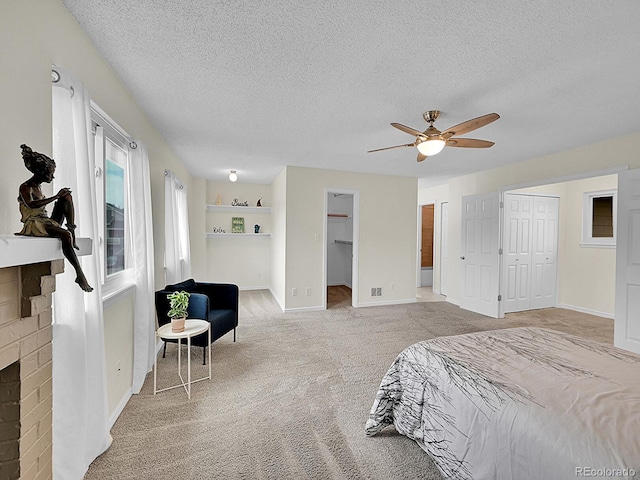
[
  {"x": 544, "y": 268},
  {"x": 479, "y": 257},
  {"x": 444, "y": 249},
  {"x": 517, "y": 251},
  {"x": 627, "y": 313},
  {"x": 530, "y": 246}
]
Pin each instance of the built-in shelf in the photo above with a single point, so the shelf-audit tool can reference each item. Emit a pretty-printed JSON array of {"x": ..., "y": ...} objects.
[
  {"x": 237, "y": 209},
  {"x": 338, "y": 215},
  {"x": 344, "y": 242},
  {"x": 211, "y": 235}
]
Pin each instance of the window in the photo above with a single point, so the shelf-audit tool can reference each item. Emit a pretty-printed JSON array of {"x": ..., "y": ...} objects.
[
  {"x": 599, "y": 210},
  {"x": 112, "y": 193}
]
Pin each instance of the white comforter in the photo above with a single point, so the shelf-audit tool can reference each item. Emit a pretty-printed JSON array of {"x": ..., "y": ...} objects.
[{"x": 520, "y": 403}]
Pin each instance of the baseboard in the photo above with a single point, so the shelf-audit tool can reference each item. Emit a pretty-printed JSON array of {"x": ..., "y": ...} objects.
[
  {"x": 452, "y": 301},
  {"x": 304, "y": 309},
  {"x": 123, "y": 402},
  {"x": 254, "y": 288},
  {"x": 383, "y": 303},
  {"x": 586, "y": 310}
]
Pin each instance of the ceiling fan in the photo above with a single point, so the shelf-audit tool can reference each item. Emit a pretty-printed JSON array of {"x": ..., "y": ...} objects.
[{"x": 432, "y": 141}]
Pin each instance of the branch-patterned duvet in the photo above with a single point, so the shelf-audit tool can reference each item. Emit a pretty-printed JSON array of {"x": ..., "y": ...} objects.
[{"x": 519, "y": 403}]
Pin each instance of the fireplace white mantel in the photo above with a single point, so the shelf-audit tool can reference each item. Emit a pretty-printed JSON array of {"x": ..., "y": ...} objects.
[
  {"x": 28, "y": 266},
  {"x": 16, "y": 250}
]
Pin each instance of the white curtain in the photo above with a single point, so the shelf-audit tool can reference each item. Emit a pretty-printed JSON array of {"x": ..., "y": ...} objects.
[
  {"x": 143, "y": 257},
  {"x": 177, "y": 253},
  {"x": 80, "y": 417}
]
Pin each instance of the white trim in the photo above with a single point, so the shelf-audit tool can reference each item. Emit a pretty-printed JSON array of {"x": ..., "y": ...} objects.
[
  {"x": 111, "y": 122},
  {"x": 567, "y": 178},
  {"x": 587, "y": 238},
  {"x": 585, "y": 310},
  {"x": 116, "y": 413},
  {"x": 453, "y": 302},
  {"x": 389, "y": 302},
  {"x": 264, "y": 287},
  {"x": 355, "y": 243},
  {"x": 305, "y": 309},
  {"x": 112, "y": 297}
]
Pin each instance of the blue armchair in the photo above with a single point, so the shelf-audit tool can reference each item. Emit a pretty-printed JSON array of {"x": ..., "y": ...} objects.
[{"x": 216, "y": 303}]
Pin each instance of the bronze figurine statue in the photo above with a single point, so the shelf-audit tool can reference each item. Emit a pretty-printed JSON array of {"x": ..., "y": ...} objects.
[{"x": 32, "y": 204}]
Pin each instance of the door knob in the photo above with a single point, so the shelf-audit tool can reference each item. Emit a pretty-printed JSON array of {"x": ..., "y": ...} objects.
[{"x": 462, "y": 258}]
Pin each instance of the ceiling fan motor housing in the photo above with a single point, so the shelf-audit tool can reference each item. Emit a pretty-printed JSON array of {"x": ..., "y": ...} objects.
[{"x": 431, "y": 116}]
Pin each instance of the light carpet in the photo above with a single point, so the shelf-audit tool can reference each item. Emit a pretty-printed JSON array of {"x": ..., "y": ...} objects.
[{"x": 290, "y": 399}]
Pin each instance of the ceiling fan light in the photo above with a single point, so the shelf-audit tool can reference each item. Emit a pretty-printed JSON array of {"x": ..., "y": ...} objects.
[
  {"x": 431, "y": 146},
  {"x": 233, "y": 176}
]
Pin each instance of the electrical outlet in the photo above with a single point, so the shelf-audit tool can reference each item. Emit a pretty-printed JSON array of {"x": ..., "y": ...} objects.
[
  {"x": 294, "y": 292},
  {"x": 373, "y": 291},
  {"x": 392, "y": 287},
  {"x": 378, "y": 292},
  {"x": 308, "y": 291}
]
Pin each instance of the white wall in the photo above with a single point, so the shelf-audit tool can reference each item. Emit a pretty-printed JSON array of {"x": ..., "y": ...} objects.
[
  {"x": 118, "y": 342},
  {"x": 621, "y": 152},
  {"x": 245, "y": 261},
  {"x": 387, "y": 239},
  {"x": 586, "y": 275},
  {"x": 35, "y": 34}
]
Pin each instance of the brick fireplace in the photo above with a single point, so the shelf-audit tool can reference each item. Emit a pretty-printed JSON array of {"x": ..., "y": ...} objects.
[{"x": 25, "y": 369}]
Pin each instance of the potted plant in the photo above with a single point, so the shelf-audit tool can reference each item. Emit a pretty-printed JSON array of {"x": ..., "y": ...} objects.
[{"x": 178, "y": 305}]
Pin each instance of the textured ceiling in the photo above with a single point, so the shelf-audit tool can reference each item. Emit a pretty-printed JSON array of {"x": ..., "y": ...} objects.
[{"x": 254, "y": 86}]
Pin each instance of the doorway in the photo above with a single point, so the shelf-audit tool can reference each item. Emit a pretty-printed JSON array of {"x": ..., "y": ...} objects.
[
  {"x": 586, "y": 281},
  {"x": 341, "y": 234},
  {"x": 426, "y": 245}
]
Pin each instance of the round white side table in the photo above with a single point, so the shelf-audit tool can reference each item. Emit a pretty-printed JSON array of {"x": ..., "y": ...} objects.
[{"x": 191, "y": 329}]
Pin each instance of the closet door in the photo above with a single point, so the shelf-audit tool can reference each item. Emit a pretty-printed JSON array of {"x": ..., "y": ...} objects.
[
  {"x": 517, "y": 251},
  {"x": 545, "y": 252}
]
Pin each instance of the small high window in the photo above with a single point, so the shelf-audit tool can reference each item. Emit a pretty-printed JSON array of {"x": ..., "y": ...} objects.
[{"x": 599, "y": 212}]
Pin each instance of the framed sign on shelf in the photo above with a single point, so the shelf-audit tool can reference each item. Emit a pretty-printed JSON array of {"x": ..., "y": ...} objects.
[{"x": 237, "y": 225}]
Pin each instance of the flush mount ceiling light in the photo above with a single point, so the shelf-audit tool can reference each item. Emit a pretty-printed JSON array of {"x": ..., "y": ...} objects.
[{"x": 233, "y": 176}]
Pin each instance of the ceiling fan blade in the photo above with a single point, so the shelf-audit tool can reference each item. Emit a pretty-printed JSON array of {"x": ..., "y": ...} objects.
[
  {"x": 405, "y": 129},
  {"x": 470, "y": 125},
  {"x": 421, "y": 157},
  {"x": 389, "y": 148},
  {"x": 469, "y": 143}
]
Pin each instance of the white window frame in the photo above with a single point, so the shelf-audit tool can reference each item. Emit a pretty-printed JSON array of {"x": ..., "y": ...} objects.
[
  {"x": 588, "y": 240},
  {"x": 105, "y": 129}
]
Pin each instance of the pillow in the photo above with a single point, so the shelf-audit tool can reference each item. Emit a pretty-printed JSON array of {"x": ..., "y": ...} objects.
[{"x": 187, "y": 286}]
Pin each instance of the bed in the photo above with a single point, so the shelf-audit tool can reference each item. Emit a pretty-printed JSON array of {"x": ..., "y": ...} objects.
[{"x": 519, "y": 403}]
